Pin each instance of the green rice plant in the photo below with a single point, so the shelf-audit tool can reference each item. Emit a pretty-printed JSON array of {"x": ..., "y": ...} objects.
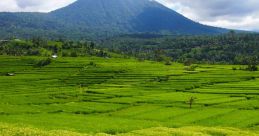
[{"x": 123, "y": 95}]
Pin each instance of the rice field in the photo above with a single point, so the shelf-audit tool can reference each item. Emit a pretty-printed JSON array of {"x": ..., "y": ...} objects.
[{"x": 99, "y": 96}]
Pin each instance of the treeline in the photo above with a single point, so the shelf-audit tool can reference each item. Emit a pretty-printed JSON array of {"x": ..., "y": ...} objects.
[
  {"x": 231, "y": 48},
  {"x": 48, "y": 48}
]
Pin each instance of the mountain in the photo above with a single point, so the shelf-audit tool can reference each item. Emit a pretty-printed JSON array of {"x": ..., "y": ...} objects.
[{"x": 103, "y": 18}]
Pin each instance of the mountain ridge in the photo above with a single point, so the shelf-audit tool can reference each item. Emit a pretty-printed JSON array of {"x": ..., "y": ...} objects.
[{"x": 103, "y": 18}]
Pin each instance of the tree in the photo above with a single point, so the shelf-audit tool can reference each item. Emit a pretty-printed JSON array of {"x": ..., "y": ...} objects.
[
  {"x": 42, "y": 63},
  {"x": 252, "y": 64},
  {"x": 232, "y": 33},
  {"x": 191, "y": 101},
  {"x": 92, "y": 45},
  {"x": 188, "y": 62},
  {"x": 45, "y": 52},
  {"x": 159, "y": 55}
]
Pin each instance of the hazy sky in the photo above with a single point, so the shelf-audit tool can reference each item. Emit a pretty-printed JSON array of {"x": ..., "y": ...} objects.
[{"x": 236, "y": 14}]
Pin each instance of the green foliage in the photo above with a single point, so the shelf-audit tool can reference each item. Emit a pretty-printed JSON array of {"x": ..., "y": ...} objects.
[
  {"x": 168, "y": 62},
  {"x": 46, "y": 48},
  {"x": 43, "y": 62},
  {"x": 252, "y": 64},
  {"x": 73, "y": 54},
  {"x": 45, "y": 52},
  {"x": 191, "y": 67},
  {"x": 252, "y": 68},
  {"x": 219, "y": 49},
  {"x": 188, "y": 62},
  {"x": 91, "y": 63}
]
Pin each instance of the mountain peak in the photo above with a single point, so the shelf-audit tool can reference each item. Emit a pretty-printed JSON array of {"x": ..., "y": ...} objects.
[
  {"x": 135, "y": 16},
  {"x": 107, "y": 18}
]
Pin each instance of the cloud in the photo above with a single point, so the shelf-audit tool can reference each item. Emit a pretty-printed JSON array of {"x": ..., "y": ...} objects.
[
  {"x": 235, "y": 14},
  {"x": 32, "y": 5}
]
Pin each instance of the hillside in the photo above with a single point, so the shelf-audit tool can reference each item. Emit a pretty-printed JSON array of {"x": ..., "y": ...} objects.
[
  {"x": 28, "y": 25},
  {"x": 102, "y": 18}
]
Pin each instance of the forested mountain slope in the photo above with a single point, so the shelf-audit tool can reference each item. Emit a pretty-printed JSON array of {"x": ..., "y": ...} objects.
[{"x": 102, "y": 18}]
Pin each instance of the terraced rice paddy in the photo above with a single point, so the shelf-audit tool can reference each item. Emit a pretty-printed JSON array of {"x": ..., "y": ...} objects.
[{"x": 119, "y": 95}]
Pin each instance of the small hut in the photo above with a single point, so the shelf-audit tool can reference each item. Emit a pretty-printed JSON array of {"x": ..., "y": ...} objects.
[{"x": 54, "y": 56}]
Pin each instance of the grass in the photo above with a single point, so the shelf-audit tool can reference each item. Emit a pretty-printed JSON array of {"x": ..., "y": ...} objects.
[
  {"x": 126, "y": 96},
  {"x": 11, "y": 130}
]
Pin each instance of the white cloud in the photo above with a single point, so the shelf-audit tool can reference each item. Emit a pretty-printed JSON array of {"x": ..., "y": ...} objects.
[
  {"x": 32, "y": 5},
  {"x": 234, "y": 14},
  {"x": 8, "y": 5}
]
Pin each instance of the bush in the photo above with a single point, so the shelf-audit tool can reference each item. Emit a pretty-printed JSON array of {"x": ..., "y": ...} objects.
[
  {"x": 91, "y": 63},
  {"x": 42, "y": 63},
  {"x": 191, "y": 68},
  {"x": 252, "y": 68},
  {"x": 73, "y": 54},
  {"x": 33, "y": 52},
  {"x": 45, "y": 52},
  {"x": 168, "y": 63},
  {"x": 188, "y": 62}
]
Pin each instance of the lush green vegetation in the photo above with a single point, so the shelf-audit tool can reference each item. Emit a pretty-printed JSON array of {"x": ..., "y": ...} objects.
[
  {"x": 47, "y": 48},
  {"x": 11, "y": 130},
  {"x": 156, "y": 82},
  {"x": 113, "y": 95},
  {"x": 231, "y": 48}
]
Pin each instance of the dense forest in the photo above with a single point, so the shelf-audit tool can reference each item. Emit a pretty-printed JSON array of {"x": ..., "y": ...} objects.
[
  {"x": 48, "y": 48},
  {"x": 231, "y": 48}
]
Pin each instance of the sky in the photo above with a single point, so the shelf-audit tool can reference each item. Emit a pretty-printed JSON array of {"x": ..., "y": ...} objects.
[{"x": 233, "y": 14}]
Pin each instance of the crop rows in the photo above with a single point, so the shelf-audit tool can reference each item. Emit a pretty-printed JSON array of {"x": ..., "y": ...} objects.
[{"x": 118, "y": 95}]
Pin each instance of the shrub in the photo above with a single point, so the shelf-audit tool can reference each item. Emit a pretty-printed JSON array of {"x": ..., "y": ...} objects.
[
  {"x": 188, "y": 62},
  {"x": 73, "y": 54},
  {"x": 45, "y": 52},
  {"x": 168, "y": 63},
  {"x": 252, "y": 68},
  {"x": 33, "y": 52},
  {"x": 191, "y": 68},
  {"x": 102, "y": 53},
  {"x": 91, "y": 63},
  {"x": 42, "y": 63}
]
